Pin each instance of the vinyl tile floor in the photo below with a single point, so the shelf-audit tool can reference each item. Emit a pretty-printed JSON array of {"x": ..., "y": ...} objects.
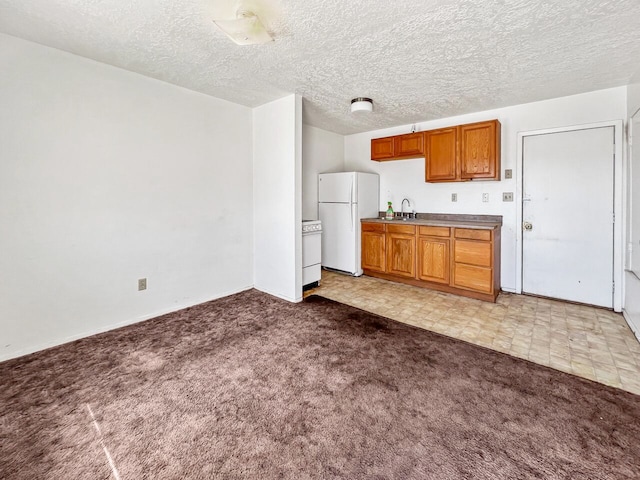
[{"x": 590, "y": 342}]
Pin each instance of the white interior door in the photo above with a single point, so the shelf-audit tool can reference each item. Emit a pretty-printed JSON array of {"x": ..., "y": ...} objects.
[
  {"x": 634, "y": 180},
  {"x": 339, "y": 236},
  {"x": 567, "y": 212}
]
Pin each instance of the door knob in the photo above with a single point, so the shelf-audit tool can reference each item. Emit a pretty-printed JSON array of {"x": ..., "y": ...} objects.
[{"x": 527, "y": 226}]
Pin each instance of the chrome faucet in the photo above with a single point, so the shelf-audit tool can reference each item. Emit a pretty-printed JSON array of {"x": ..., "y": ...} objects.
[{"x": 402, "y": 206}]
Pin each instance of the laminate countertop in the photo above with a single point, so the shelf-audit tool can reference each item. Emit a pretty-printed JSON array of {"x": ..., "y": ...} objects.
[{"x": 481, "y": 222}]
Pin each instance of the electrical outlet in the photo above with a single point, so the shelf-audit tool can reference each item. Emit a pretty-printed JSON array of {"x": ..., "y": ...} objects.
[
  {"x": 507, "y": 196},
  {"x": 485, "y": 197},
  {"x": 508, "y": 173},
  {"x": 142, "y": 284},
  {"x": 454, "y": 197}
]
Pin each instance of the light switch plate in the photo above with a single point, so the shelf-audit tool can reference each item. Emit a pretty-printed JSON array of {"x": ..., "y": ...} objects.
[
  {"x": 485, "y": 197},
  {"x": 508, "y": 173},
  {"x": 507, "y": 196},
  {"x": 454, "y": 197}
]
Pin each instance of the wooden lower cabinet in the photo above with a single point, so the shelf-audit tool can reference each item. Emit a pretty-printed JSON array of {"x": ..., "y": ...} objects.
[
  {"x": 472, "y": 277},
  {"x": 473, "y": 260},
  {"x": 433, "y": 259},
  {"x": 373, "y": 251},
  {"x": 465, "y": 261},
  {"x": 472, "y": 252},
  {"x": 401, "y": 254}
]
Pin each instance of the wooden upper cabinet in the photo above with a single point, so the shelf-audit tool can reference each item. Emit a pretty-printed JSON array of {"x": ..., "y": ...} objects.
[
  {"x": 382, "y": 148},
  {"x": 452, "y": 154},
  {"x": 463, "y": 152},
  {"x": 409, "y": 145},
  {"x": 399, "y": 147},
  {"x": 442, "y": 155},
  {"x": 480, "y": 150}
]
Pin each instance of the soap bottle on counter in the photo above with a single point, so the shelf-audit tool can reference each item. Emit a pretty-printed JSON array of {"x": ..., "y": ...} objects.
[{"x": 389, "y": 214}]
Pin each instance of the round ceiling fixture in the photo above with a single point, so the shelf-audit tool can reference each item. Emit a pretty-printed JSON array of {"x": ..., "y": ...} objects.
[
  {"x": 361, "y": 104},
  {"x": 245, "y": 29}
]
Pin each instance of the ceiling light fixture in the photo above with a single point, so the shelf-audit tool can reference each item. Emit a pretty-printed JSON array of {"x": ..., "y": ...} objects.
[
  {"x": 245, "y": 29},
  {"x": 361, "y": 104}
]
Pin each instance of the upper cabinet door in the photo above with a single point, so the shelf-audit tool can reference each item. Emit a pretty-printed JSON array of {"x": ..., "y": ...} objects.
[
  {"x": 382, "y": 148},
  {"x": 480, "y": 150},
  {"x": 409, "y": 145},
  {"x": 442, "y": 154}
]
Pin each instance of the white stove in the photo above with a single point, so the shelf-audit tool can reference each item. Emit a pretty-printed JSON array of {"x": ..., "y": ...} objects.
[
  {"x": 311, "y": 252},
  {"x": 311, "y": 226}
]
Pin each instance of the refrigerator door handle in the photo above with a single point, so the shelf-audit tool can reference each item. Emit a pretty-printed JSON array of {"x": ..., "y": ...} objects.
[
  {"x": 351, "y": 213},
  {"x": 351, "y": 192},
  {"x": 351, "y": 203}
]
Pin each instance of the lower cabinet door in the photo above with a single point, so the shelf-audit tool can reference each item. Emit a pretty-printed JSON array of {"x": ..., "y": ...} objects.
[
  {"x": 401, "y": 254},
  {"x": 373, "y": 251},
  {"x": 433, "y": 259},
  {"x": 472, "y": 277}
]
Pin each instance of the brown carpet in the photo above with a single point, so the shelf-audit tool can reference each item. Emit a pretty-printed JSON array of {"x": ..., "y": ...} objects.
[{"x": 250, "y": 386}]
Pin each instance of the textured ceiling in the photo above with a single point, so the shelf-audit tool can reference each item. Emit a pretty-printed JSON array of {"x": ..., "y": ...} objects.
[{"x": 417, "y": 59}]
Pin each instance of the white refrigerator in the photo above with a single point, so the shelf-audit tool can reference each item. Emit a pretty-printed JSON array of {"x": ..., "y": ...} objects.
[{"x": 343, "y": 199}]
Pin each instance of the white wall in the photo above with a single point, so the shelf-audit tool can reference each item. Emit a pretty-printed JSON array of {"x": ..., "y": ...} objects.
[
  {"x": 107, "y": 176},
  {"x": 277, "y": 198},
  {"x": 405, "y": 178},
  {"x": 322, "y": 152},
  {"x": 632, "y": 282}
]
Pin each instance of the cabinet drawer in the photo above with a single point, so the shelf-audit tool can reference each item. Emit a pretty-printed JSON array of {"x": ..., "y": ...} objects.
[
  {"x": 472, "y": 252},
  {"x": 373, "y": 227},
  {"x": 406, "y": 229},
  {"x": 473, "y": 234},
  {"x": 472, "y": 277},
  {"x": 435, "y": 231}
]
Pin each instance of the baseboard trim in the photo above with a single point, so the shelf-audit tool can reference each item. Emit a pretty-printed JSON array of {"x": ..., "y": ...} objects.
[
  {"x": 634, "y": 328},
  {"x": 283, "y": 297},
  {"x": 88, "y": 333}
]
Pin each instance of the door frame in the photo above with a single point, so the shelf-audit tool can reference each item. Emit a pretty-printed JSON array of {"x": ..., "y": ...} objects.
[{"x": 619, "y": 166}]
